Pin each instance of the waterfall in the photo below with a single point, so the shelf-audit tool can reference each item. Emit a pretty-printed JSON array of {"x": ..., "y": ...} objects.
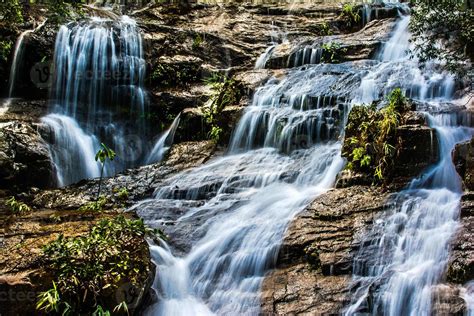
[
  {"x": 163, "y": 143},
  {"x": 227, "y": 218},
  {"x": 409, "y": 249},
  {"x": 18, "y": 57},
  {"x": 99, "y": 84}
]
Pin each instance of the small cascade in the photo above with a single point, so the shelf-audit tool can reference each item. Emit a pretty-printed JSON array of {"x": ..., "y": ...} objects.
[
  {"x": 71, "y": 146},
  {"x": 307, "y": 55},
  {"x": 276, "y": 36},
  {"x": 18, "y": 57},
  {"x": 398, "y": 45},
  {"x": 163, "y": 143},
  {"x": 99, "y": 83}
]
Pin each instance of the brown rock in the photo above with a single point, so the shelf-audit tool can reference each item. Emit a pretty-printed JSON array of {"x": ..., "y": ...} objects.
[{"x": 314, "y": 266}]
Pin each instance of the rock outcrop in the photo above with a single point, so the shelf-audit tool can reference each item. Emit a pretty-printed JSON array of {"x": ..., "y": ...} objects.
[
  {"x": 24, "y": 157},
  {"x": 314, "y": 267}
]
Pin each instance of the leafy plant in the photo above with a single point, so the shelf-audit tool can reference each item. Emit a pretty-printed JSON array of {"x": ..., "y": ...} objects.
[
  {"x": 122, "y": 194},
  {"x": 5, "y": 49},
  {"x": 48, "y": 301},
  {"x": 224, "y": 93},
  {"x": 371, "y": 144},
  {"x": 197, "y": 42},
  {"x": 60, "y": 11},
  {"x": 17, "y": 207},
  {"x": 104, "y": 154},
  {"x": 95, "y": 206},
  {"x": 350, "y": 15},
  {"x": 332, "y": 52},
  {"x": 169, "y": 74},
  {"x": 324, "y": 29},
  {"x": 10, "y": 11},
  {"x": 89, "y": 268},
  {"x": 443, "y": 30}
]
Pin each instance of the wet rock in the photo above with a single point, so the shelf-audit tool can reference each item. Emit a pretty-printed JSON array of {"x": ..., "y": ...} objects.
[
  {"x": 24, "y": 157},
  {"x": 447, "y": 300},
  {"x": 463, "y": 157},
  {"x": 461, "y": 263},
  {"x": 140, "y": 182},
  {"x": 314, "y": 266}
]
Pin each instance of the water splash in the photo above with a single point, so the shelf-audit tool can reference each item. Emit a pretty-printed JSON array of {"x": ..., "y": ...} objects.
[{"x": 163, "y": 143}]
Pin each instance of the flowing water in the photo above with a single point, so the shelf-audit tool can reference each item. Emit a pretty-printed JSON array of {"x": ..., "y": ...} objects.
[
  {"x": 98, "y": 91},
  {"x": 227, "y": 218},
  {"x": 406, "y": 252},
  {"x": 163, "y": 143},
  {"x": 18, "y": 57}
]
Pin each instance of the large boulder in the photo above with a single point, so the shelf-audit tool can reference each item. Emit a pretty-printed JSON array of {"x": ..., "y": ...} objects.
[
  {"x": 24, "y": 157},
  {"x": 314, "y": 266}
]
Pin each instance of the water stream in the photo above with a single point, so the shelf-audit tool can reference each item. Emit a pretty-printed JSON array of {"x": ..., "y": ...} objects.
[
  {"x": 98, "y": 93},
  {"x": 227, "y": 218}
]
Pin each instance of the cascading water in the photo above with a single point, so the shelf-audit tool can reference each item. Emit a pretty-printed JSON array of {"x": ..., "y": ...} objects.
[
  {"x": 395, "y": 273},
  {"x": 98, "y": 89},
  {"x": 163, "y": 143},
  {"x": 284, "y": 153},
  {"x": 227, "y": 218},
  {"x": 17, "y": 58}
]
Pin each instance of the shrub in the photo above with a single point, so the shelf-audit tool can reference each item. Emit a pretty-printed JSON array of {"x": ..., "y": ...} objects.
[
  {"x": 371, "y": 144},
  {"x": 197, "y": 42},
  {"x": 5, "y": 49},
  {"x": 224, "y": 93},
  {"x": 10, "y": 11},
  {"x": 17, "y": 207},
  {"x": 89, "y": 268},
  {"x": 350, "y": 15},
  {"x": 332, "y": 52}
]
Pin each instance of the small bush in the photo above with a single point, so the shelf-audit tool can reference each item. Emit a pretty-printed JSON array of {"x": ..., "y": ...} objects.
[
  {"x": 5, "y": 49},
  {"x": 17, "y": 207},
  {"x": 332, "y": 52},
  {"x": 371, "y": 145},
  {"x": 350, "y": 15},
  {"x": 10, "y": 11},
  {"x": 224, "y": 93},
  {"x": 95, "y": 206},
  {"x": 89, "y": 268},
  {"x": 197, "y": 42}
]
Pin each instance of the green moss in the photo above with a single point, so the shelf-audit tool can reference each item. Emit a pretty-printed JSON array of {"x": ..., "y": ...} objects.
[{"x": 5, "y": 49}]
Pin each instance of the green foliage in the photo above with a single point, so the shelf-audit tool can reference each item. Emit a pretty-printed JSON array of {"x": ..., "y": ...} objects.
[
  {"x": 224, "y": 93},
  {"x": 49, "y": 301},
  {"x": 324, "y": 29},
  {"x": 17, "y": 207},
  {"x": 88, "y": 268},
  {"x": 5, "y": 49},
  {"x": 371, "y": 142},
  {"x": 332, "y": 52},
  {"x": 122, "y": 194},
  {"x": 350, "y": 15},
  {"x": 104, "y": 154},
  {"x": 59, "y": 11},
  {"x": 95, "y": 206},
  {"x": 168, "y": 74},
  {"x": 443, "y": 30},
  {"x": 10, "y": 11},
  {"x": 197, "y": 42}
]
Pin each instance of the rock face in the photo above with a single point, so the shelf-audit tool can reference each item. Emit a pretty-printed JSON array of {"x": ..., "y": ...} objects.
[
  {"x": 24, "y": 157},
  {"x": 314, "y": 267},
  {"x": 139, "y": 182}
]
